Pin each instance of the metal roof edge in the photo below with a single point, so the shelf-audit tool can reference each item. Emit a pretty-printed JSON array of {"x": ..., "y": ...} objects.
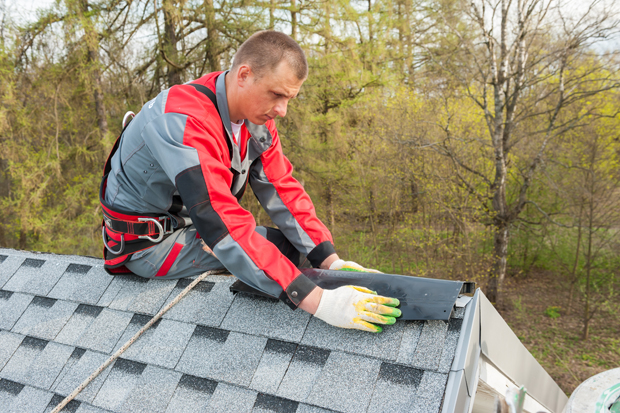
[
  {"x": 506, "y": 352},
  {"x": 462, "y": 377}
]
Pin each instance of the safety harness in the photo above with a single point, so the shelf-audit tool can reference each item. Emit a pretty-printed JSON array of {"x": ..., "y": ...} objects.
[{"x": 124, "y": 233}]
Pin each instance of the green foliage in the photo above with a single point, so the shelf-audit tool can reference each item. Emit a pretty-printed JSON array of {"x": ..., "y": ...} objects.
[{"x": 553, "y": 312}]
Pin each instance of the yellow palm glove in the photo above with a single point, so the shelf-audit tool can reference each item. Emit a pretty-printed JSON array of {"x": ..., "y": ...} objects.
[
  {"x": 342, "y": 265},
  {"x": 357, "y": 307}
]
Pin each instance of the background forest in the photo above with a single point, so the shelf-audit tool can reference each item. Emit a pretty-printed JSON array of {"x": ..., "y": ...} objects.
[{"x": 476, "y": 140}]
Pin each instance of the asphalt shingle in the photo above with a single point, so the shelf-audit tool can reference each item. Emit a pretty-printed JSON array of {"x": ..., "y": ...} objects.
[
  {"x": 105, "y": 330},
  {"x": 409, "y": 341},
  {"x": 238, "y": 359},
  {"x": 82, "y": 283},
  {"x": 395, "y": 389},
  {"x": 430, "y": 393},
  {"x": 119, "y": 384},
  {"x": 153, "y": 392},
  {"x": 266, "y": 403},
  {"x": 304, "y": 370},
  {"x": 449, "y": 347},
  {"x": 82, "y": 364},
  {"x": 202, "y": 351},
  {"x": 82, "y": 318},
  {"x": 273, "y": 365},
  {"x": 205, "y": 304},
  {"x": 44, "y": 317},
  {"x": 12, "y": 306},
  {"x": 384, "y": 346},
  {"x": 165, "y": 345},
  {"x": 19, "y": 365},
  {"x": 47, "y": 366},
  {"x": 265, "y": 316},
  {"x": 346, "y": 383},
  {"x": 228, "y": 398},
  {"x": 8, "y": 266},
  {"x": 192, "y": 395},
  {"x": 137, "y": 294},
  {"x": 71, "y": 407},
  {"x": 430, "y": 346},
  {"x": 36, "y": 276},
  {"x": 29, "y": 400},
  {"x": 9, "y": 342}
]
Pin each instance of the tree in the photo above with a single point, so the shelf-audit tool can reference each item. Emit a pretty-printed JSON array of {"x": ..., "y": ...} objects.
[{"x": 522, "y": 64}]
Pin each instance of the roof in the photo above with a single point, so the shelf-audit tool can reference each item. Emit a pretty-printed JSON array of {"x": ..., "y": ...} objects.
[{"x": 62, "y": 316}]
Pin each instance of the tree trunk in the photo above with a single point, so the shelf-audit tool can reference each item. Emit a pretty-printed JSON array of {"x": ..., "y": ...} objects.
[
  {"x": 272, "y": 12},
  {"x": 294, "y": 19},
  {"x": 170, "y": 44},
  {"x": 92, "y": 45},
  {"x": 212, "y": 55},
  {"x": 500, "y": 251}
]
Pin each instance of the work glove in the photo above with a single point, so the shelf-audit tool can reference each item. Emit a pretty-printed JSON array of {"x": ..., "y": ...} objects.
[
  {"x": 342, "y": 265},
  {"x": 357, "y": 307}
]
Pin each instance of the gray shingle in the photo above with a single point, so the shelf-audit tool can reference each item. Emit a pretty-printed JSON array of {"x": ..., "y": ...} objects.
[
  {"x": 82, "y": 283},
  {"x": 206, "y": 304},
  {"x": 449, "y": 347},
  {"x": 430, "y": 393},
  {"x": 8, "y": 267},
  {"x": 19, "y": 366},
  {"x": 264, "y": 316},
  {"x": 44, "y": 317},
  {"x": 395, "y": 389},
  {"x": 192, "y": 395},
  {"x": 165, "y": 345},
  {"x": 384, "y": 345},
  {"x": 272, "y": 366},
  {"x": 135, "y": 324},
  {"x": 12, "y": 306},
  {"x": 305, "y": 408},
  {"x": 120, "y": 383},
  {"x": 105, "y": 330},
  {"x": 202, "y": 351},
  {"x": 346, "y": 383},
  {"x": 305, "y": 368},
  {"x": 9, "y": 342},
  {"x": 267, "y": 403},
  {"x": 82, "y": 318},
  {"x": 29, "y": 400},
  {"x": 47, "y": 366},
  {"x": 238, "y": 359},
  {"x": 409, "y": 342},
  {"x": 137, "y": 294},
  {"x": 87, "y": 408},
  {"x": 71, "y": 407},
  {"x": 430, "y": 345},
  {"x": 36, "y": 276},
  {"x": 77, "y": 371},
  {"x": 153, "y": 392},
  {"x": 227, "y": 398}
]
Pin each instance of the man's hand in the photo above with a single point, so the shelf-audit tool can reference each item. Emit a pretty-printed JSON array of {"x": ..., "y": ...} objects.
[
  {"x": 357, "y": 307},
  {"x": 342, "y": 265}
]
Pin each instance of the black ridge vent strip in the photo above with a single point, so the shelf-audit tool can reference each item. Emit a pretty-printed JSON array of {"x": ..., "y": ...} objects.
[
  {"x": 79, "y": 268},
  {"x": 403, "y": 375},
  {"x": 198, "y": 383},
  {"x": 5, "y": 295},
  {"x": 128, "y": 366},
  {"x": 312, "y": 355},
  {"x": 210, "y": 333},
  {"x": 2, "y": 258},
  {"x": 44, "y": 302},
  {"x": 275, "y": 404},
  {"x": 33, "y": 263},
  {"x": 11, "y": 387},
  {"x": 34, "y": 342},
  {"x": 78, "y": 353},
  {"x": 71, "y": 407},
  {"x": 283, "y": 347},
  {"x": 89, "y": 310}
]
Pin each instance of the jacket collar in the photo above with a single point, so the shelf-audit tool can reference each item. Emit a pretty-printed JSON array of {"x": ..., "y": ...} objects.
[{"x": 222, "y": 103}]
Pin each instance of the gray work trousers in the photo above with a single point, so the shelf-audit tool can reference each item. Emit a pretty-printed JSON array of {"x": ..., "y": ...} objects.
[{"x": 160, "y": 261}]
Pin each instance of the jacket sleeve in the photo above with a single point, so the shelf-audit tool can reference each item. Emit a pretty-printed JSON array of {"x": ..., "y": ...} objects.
[
  {"x": 198, "y": 167},
  {"x": 287, "y": 203}
]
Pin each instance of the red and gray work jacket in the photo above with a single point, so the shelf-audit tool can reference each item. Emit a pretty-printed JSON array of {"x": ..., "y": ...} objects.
[{"x": 176, "y": 164}]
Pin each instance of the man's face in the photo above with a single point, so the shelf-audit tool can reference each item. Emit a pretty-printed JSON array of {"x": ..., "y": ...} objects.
[{"x": 268, "y": 96}]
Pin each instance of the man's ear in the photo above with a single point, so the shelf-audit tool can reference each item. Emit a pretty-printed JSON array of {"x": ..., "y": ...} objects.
[{"x": 243, "y": 75}]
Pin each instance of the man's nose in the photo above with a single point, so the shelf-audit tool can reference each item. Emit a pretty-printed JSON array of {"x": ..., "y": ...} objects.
[{"x": 280, "y": 109}]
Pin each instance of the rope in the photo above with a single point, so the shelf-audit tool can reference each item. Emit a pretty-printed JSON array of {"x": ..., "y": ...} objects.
[{"x": 133, "y": 340}]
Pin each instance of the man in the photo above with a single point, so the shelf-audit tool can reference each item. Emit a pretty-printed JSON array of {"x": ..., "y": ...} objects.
[{"x": 171, "y": 189}]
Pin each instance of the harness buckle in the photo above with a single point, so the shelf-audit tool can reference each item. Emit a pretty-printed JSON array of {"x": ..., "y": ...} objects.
[
  {"x": 162, "y": 229},
  {"x": 122, "y": 247}
]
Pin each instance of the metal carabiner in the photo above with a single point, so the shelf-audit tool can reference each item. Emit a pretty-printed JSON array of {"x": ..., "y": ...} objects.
[
  {"x": 108, "y": 247},
  {"x": 162, "y": 231},
  {"x": 129, "y": 113}
]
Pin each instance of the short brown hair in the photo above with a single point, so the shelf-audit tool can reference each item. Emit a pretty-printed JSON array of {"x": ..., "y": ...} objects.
[{"x": 264, "y": 50}]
